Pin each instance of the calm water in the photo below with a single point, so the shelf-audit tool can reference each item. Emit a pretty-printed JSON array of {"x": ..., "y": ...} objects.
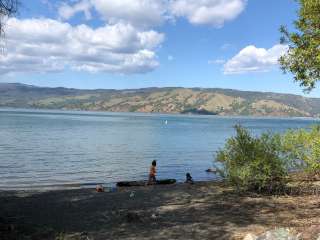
[{"x": 45, "y": 148}]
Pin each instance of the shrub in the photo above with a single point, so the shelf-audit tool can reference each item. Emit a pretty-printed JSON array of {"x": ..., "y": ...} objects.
[
  {"x": 302, "y": 148},
  {"x": 253, "y": 163}
]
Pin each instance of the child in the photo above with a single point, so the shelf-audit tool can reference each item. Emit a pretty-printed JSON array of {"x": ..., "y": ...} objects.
[
  {"x": 153, "y": 172},
  {"x": 189, "y": 178}
]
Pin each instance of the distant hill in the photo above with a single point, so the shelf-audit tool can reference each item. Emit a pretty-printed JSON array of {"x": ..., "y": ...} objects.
[{"x": 160, "y": 100}]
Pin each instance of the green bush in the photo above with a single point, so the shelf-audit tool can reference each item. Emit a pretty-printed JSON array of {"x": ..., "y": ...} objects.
[
  {"x": 253, "y": 163},
  {"x": 302, "y": 148}
]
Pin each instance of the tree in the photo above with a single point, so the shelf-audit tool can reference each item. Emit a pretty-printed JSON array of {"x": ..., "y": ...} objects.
[
  {"x": 302, "y": 148},
  {"x": 253, "y": 163},
  {"x": 7, "y": 9},
  {"x": 303, "y": 56}
]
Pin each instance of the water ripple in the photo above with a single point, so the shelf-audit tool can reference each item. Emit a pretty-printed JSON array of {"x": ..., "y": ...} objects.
[{"x": 47, "y": 148}]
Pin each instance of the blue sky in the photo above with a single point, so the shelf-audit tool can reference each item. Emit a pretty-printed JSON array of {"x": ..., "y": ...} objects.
[{"x": 149, "y": 43}]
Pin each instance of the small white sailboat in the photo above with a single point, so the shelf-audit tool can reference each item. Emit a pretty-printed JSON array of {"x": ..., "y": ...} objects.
[{"x": 166, "y": 122}]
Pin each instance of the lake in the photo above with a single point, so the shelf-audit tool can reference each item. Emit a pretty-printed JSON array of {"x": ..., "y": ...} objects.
[{"x": 41, "y": 149}]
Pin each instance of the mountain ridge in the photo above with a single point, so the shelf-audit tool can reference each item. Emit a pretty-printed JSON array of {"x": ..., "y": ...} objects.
[{"x": 217, "y": 101}]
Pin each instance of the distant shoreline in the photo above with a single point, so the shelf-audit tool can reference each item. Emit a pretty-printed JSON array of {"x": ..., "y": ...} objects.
[
  {"x": 172, "y": 100},
  {"x": 90, "y": 112}
]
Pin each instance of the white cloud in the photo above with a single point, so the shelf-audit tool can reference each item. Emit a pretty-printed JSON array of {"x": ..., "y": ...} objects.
[
  {"x": 210, "y": 12},
  {"x": 226, "y": 46},
  {"x": 125, "y": 44},
  {"x": 143, "y": 13},
  {"x": 66, "y": 11},
  {"x": 252, "y": 59},
  {"x": 48, "y": 4},
  {"x": 46, "y": 45},
  {"x": 170, "y": 58},
  {"x": 216, "y": 61},
  {"x": 146, "y": 13}
]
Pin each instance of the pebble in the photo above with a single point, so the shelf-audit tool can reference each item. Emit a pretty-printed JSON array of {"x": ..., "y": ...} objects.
[
  {"x": 250, "y": 236},
  {"x": 131, "y": 194},
  {"x": 278, "y": 234}
]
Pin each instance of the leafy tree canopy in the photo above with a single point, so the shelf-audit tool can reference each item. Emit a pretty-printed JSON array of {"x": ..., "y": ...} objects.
[
  {"x": 303, "y": 56},
  {"x": 7, "y": 8}
]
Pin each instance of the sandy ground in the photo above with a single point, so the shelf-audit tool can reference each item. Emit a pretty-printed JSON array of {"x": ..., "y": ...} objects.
[{"x": 200, "y": 211}]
